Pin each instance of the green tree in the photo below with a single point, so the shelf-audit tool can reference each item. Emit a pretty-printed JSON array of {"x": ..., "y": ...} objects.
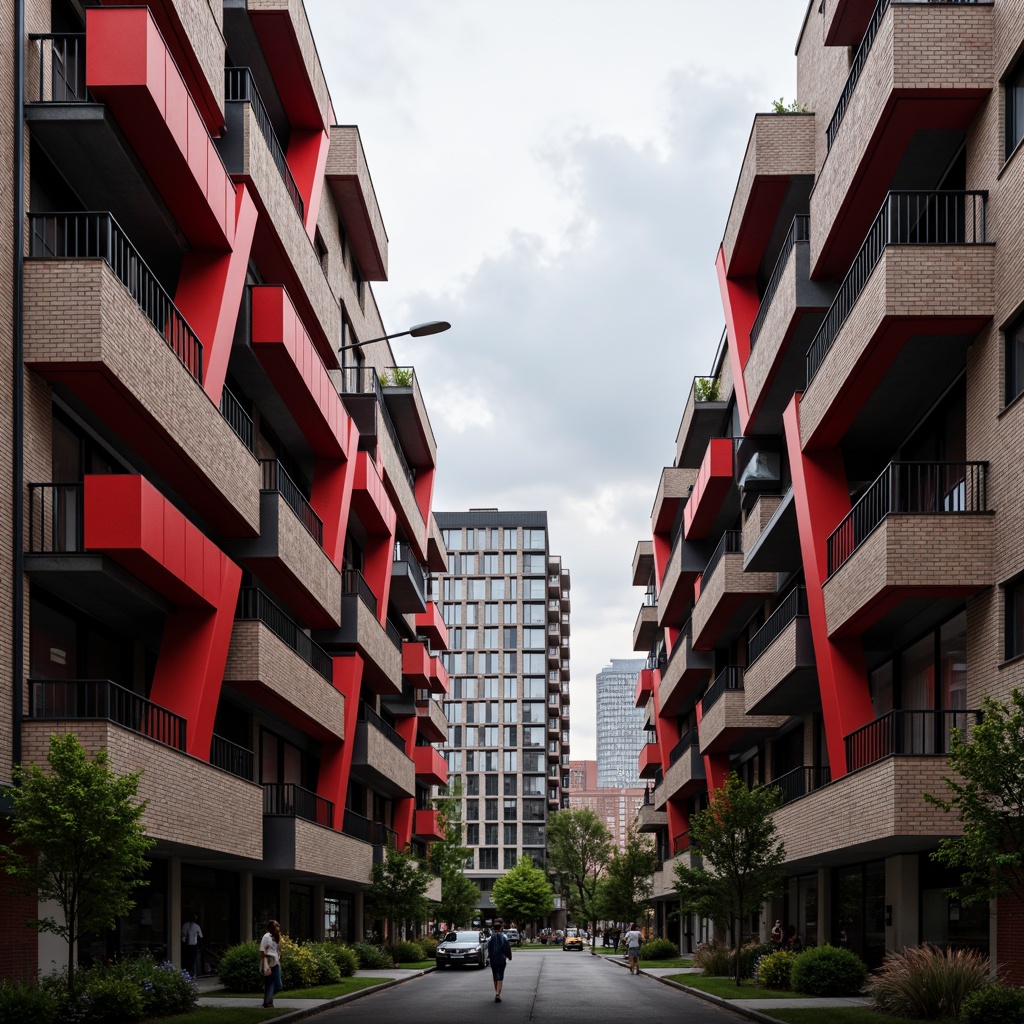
[
  {"x": 741, "y": 857},
  {"x": 523, "y": 893},
  {"x": 624, "y": 894},
  {"x": 579, "y": 849},
  {"x": 460, "y": 896},
  {"x": 987, "y": 793},
  {"x": 78, "y": 841},
  {"x": 398, "y": 890}
]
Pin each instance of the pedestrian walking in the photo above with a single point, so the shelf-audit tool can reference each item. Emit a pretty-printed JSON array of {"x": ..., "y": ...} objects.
[
  {"x": 270, "y": 963},
  {"x": 191, "y": 933},
  {"x": 633, "y": 939},
  {"x": 498, "y": 951}
]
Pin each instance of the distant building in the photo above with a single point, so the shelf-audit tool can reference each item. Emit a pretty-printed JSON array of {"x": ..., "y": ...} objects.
[
  {"x": 615, "y": 806},
  {"x": 620, "y": 724}
]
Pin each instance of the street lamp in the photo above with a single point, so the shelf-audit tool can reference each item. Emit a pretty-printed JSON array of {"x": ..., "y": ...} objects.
[{"x": 419, "y": 331}]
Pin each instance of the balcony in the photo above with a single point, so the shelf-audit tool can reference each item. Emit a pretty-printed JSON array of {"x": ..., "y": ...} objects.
[
  {"x": 379, "y": 759},
  {"x": 643, "y": 566},
  {"x": 846, "y": 21},
  {"x": 408, "y": 594},
  {"x": 415, "y": 663},
  {"x": 685, "y": 775},
  {"x": 673, "y": 489},
  {"x": 918, "y": 732},
  {"x": 644, "y": 687},
  {"x": 904, "y": 110},
  {"x": 431, "y": 767},
  {"x": 704, "y": 418},
  {"x": 431, "y": 722},
  {"x": 686, "y": 561},
  {"x": 427, "y": 825},
  {"x": 400, "y": 484},
  {"x": 922, "y": 531},
  {"x": 438, "y": 677},
  {"x": 137, "y": 367},
  {"x": 648, "y": 819},
  {"x": 728, "y": 595},
  {"x": 684, "y": 676},
  {"x": 401, "y": 390},
  {"x": 724, "y": 723},
  {"x": 714, "y": 482},
  {"x": 650, "y": 760},
  {"x": 771, "y": 540},
  {"x": 431, "y": 625},
  {"x": 800, "y": 781},
  {"x": 645, "y": 629},
  {"x": 781, "y": 676}
]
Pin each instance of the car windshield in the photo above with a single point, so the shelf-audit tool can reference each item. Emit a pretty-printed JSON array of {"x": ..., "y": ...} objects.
[{"x": 462, "y": 937}]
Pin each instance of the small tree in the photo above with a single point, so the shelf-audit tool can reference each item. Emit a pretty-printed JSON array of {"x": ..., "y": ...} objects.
[
  {"x": 741, "y": 857},
  {"x": 398, "y": 890},
  {"x": 987, "y": 793},
  {"x": 625, "y": 892},
  {"x": 460, "y": 896},
  {"x": 579, "y": 848},
  {"x": 523, "y": 893},
  {"x": 78, "y": 840}
]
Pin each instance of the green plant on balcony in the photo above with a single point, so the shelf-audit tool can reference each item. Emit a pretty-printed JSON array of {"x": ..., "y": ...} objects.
[
  {"x": 780, "y": 106},
  {"x": 396, "y": 377},
  {"x": 705, "y": 389}
]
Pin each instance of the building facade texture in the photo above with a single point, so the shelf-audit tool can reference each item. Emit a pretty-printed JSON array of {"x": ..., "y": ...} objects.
[
  {"x": 616, "y": 806},
  {"x": 833, "y": 575},
  {"x": 222, "y": 528},
  {"x": 620, "y": 724},
  {"x": 505, "y": 602}
]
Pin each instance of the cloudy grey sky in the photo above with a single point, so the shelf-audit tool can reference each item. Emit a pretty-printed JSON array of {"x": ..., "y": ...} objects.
[{"x": 555, "y": 177}]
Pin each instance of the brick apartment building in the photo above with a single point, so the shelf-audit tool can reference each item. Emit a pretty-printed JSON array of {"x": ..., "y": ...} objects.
[
  {"x": 616, "y": 806},
  {"x": 835, "y": 563},
  {"x": 221, "y": 528},
  {"x": 505, "y": 600}
]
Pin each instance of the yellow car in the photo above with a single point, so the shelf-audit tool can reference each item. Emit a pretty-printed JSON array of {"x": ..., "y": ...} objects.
[{"x": 573, "y": 939}]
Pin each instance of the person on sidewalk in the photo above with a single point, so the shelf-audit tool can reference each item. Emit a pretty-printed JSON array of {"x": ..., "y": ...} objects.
[
  {"x": 191, "y": 933},
  {"x": 633, "y": 938},
  {"x": 270, "y": 963},
  {"x": 498, "y": 951}
]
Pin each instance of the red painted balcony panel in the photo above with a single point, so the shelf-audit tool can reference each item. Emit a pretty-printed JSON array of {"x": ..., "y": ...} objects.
[
  {"x": 846, "y": 20},
  {"x": 431, "y": 767},
  {"x": 431, "y": 624},
  {"x": 415, "y": 663},
  {"x": 131, "y": 70},
  {"x": 370, "y": 499},
  {"x": 427, "y": 825},
  {"x": 431, "y": 725},
  {"x": 714, "y": 479},
  {"x": 438, "y": 677},
  {"x": 287, "y": 353},
  {"x": 644, "y": 687},
  {"x": 650, "y": 760}
]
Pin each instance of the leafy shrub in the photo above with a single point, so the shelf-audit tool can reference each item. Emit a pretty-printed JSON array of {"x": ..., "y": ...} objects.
[
  {"x": 750, "y": 954},
  {"x": 429, "y": 946},
  {"x": 345, "y": 958},
  {"x": 239, "y": 969},
  {"x": 372, "y": 958},
  {"x": 774, "y": 969},
  {"x": 23, "y": 1002},
  {"x": 928, "y": 982},
  {"x": 165, "y": 988},
  {"x": 299, "y": 965},
  {"x": 828, "y": 971},
  {"x": 705, "y": 389},
  {"x": 714, "y": 958},
  {"x": 110, "y": 997},
  {"x": 659, "y": 949},
  {"x": 327, "y": 971},
  {"x": 994, "y": 1003},
  {"x": 408, "y": 953}
]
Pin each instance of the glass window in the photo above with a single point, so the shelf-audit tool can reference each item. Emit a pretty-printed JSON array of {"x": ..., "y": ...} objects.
[
  {"x": 510, "y": 784},
  {"x": 509, "y": 613},
  {"x": 452, "y": 539},
  {"x": 1015, "y": 619},
  {"x": 491, "y": 785},
  {"x": 534, "y": 638},
  {"x": 533, "y": 614},
  {"x": 472, "y": 785},
  {"x": 1013, "y": 340},
  {"x": 511, "y": 810},
  {"x": 509, "y": 759},
  {"x": 510, "y": 541},
  {"x": 450, "y": 614},
  {"x": 470, "y": 760},
  {"x": 533, "y": 589},
  {"x": 953, "y": 663},
  {"x": 510, "y": 834},
  {"x": 487, "y": 662},
  {"x": 497, "y": 588},
  {"x": 473, "y": 835},
  {"x": 472, "y": 614},
  {"x": 508, "y": 565},
  {"x": 455, "y": 735},
  {"x": 511, "y": 710},
  {"x": 491, "y": 637},
  {"x": 472, "y": 636},
  {"x": 475, "y": 589},
  {"x": 488, "y": 760},
  {"x": 454, "y": 589},
  {"x": 509, "y": 855},
  {"x": 533, "y": 736},
  {"x": 534, "y": 687},
  {"x": 454, "y": 759},
  {"x": 489, "y": 709},
  {"x": 470, "y": 538},
  {"x": 490, "y": 564},
  {"x": 1013, "y": 89},
  {"x": 489, "y": 859},
  {"x": 533, "y": 761},
  {"x": 488, "y": 736},
  {"x": 490, "y": 613},
  {"x": 535, "y": 564},
  {"x": 509, "y": 637},
  {"x": 510, "y": 689},
  {"x": 509, "y": 662},
  {"x": 491, "y": 810},
  {"x": 490, "y": 835},
  {"x": 534, "y": 662},
  {"x": 534, "y": 539},
  {"x": 533, "y": 785},
  {"x": 509, "y": 738},
  {"x": 533, "y": 835},
  {"x": 489, "y": 687}
]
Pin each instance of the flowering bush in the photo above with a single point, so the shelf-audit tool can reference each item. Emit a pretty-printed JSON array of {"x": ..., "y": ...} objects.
[
  {"x": 773, "y": 970},
  {"x": 165, "y": 988}
]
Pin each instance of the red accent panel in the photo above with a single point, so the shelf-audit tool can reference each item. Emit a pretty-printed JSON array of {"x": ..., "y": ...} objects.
[
  {"x": 307, "y": 158},
  {"x": 822, "y": 499},
  {"x": 424, "y": 490},
  {"x": 336, "y": 758},
  {"x": 370, "y": 500},
  {"x": 431, "y": 767},
  {"x": 378, "y": 562},
  {"x": 767, "y": 194},
  {"x": 644, "y": 687},
  {"x": 291, "y": 360},
  {"x": 415, "y": 663},
  {"x": 129, "y": 68},
  {"x": 331, "y": 498},
  {"x": 431, "y": 625},
  {"x": 650, "y": 760},
  {"x": 849, "y": 21},
  {"x": 662, "y": 545},
  {"x": 740, "y": 303},
  {"x": 714, "y": 478},
  {"x": 438, "y": 676},
  {"x": 427, "y": 825},
  {"x": 405, "y": 807},
  {"x": 209, "y": 293}
]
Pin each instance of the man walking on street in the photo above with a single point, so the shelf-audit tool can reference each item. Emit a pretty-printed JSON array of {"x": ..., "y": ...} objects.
[
  {"x": 498, "y": 951},
  {"x": 633, "y": 938}
]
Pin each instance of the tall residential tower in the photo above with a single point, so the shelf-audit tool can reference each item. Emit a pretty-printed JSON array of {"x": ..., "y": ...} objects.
[{"x": 620, "y": 724}]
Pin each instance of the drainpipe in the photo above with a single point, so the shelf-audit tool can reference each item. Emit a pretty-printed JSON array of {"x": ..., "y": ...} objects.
[{"x": 18, "y": 369}]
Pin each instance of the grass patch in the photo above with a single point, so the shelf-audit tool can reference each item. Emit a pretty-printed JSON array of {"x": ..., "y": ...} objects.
[
  {"x": 725, "y": 988},
  {"x": 419, "y": 965},
  {"x": 223, "y": 1015},
  {"x": 835, "y": 1015},
  {"x": 342, "y": 988},
  {"x": 679, "y": 961}
]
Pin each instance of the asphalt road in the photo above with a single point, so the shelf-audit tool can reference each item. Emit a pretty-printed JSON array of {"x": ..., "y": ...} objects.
[{"x": 549, "y": 987}]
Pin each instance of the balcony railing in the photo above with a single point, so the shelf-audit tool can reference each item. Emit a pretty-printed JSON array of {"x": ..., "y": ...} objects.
[
  {"x": 683, "y": 842},
  {"x": 360, "y": 380},
  {"x": 923, "y": 488},
  {"x": 907, "y": 732},
  {"x": 240, "y": 87},
  {"x": 352, "y": 582},
  {"x": 906, "y": 218},
  {"x": 356, "y": 826},
  {"x": 367, "y": 714},
  {"x": 101, "y": 699},
  {"x": 403, "y": 553},
  {"x": 55, "y": 519},
  {"x": 801, "y": 781},
  {"x": 730, "y": 544},
  {"x": 286, "y": 800},
  {"x": 237, "y": 418},
  {"x": 276, "y": 478},
  {"x": 730, "y": 678},
  {"x": 792, "y": 605},
  {"x": 230, "y": 757},
  {"x": 255, "y": 606},
  {"x": 687, "y": 740},
  {"x": 81, "y": 236},
  {"x": 61, "y": 68},
  {"x": 799, "y": 231}
]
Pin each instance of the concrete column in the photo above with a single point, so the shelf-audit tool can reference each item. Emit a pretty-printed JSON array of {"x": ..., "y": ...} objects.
[
  {"x": 825, "y": 922},
  {"x": 359, "y": 914},
  {"x": 901, "y": 901},
  {"x": 174, "y": 910},
  {"x": 317, "y": 910},
  {"x": 245, "y": 910},
  {"x": 286, "y": 891}
]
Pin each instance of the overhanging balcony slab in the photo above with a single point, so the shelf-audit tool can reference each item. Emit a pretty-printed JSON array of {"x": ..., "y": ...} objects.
[
  {"x": 431, "y": 722},
  {"x": 686, "y": 777},
  {"x": 700, "y": 423},
  {"x": 644, "y": 687},
  {"x": 650, "y": 820},
  {"x": 381, "y": 764},
  {"x": 784, "y": 679},
  {"x": 399, "y": 484},
  {"x": 431, "y": 767},
  {"x": 846, "y": 20},
  {"x": 408, "y": 413},
  {"x": 726, "y": 727},
  {"x": 408, "y": 593},
  {"x": 309, "y": 852},
  {"x": 674, "y": 488},
  {"x": 430, "y": 623},
  {"x": 714, "y": 481},
  {"x": 908, "y": 558},
  {"x": 427, "y": 825},
  {"x": 361, "y": 631},
  {"x": 645, "y": 629},
  {"x": 909, "y": 99},
  {"x": 777, "y": 545},
  {"x": 684, "y": 677},
  {"x": 643, "y": 563},
  {"x": 437, "y": 553},
  {"x": 438, "y": 678},
  {"x": 650, "y": 760},
  {"x": 415, "y": 663},
  {"x": 686, "y": 562},
  {"x": 726, "y": 601}
]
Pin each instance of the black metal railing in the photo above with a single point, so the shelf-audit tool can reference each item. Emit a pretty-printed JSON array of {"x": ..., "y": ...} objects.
[
  {"x": 801, "y": 781},
  {"x": 686, "y": 741},
  {"x": 730, "y": 544},
  {"x": 792, "y": 605},
  {"x": 383, "y": 836},
  {"x": 648, "y": 796},
  {"x": 403, "y": 553},
  {"x": 61, "y": 68},
  {"x": 389, "y": 427},
  {"x": 657, "y": 776},
  {"x": 922, "y": 488},
  {"x": 55, "y": 519},
  {"x": 101, "y": 699},
  {"x": 906, "y": 218},
  {"x": 907, "y": 732},
  {"x": 230, "y": 757},
  {"x": 80, "y": 236},
  {"x": 683, "y": 842},
  {"x": 356, "y": 826},
  {"x": 240, "y": 87},
  {"x": 730, "y": 678},
  {"x": 392, "y": 633},
  {"x": 367, "y": 714},
  {"x": 276, "y": 478},
  {"x": 256, "y": 606},
  {"x": 359, "y": 380},
  {"x": 237, "y": 418},
  {"x": 352, "y": 582},
  {"x": 799, "y": 231},
  {"x": 285, "y": 799}
]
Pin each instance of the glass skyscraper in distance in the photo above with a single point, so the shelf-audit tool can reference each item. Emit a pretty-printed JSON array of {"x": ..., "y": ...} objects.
[
  {"x": 620, "y": 724},
  {"x": 505, "y": 600}
]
